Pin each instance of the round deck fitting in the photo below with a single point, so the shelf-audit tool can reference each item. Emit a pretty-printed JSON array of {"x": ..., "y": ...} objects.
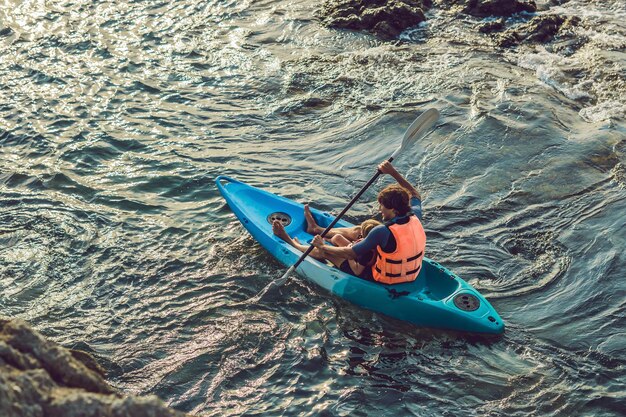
[
  {"x": 467, "y": 302},
  {"x": 284, "y": 218}
]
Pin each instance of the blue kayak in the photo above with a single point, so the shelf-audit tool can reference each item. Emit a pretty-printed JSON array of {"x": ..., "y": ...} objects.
[{"x": 437, "y": 298}]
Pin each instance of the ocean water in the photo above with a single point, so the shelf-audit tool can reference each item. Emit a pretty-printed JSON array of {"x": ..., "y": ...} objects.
[{"x": 116, "y": 117}]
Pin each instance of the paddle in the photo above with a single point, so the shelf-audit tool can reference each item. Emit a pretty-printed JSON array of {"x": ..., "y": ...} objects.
[{"x": 417, "y": 129}]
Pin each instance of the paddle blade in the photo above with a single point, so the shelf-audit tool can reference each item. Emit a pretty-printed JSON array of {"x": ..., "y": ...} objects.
[
  {"x": 280, "y": 281},
  {"x": 420, "y": 126},
  {"x": 277, "y": 283}
]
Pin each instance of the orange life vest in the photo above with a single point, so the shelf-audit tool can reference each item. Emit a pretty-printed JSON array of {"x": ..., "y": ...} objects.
[{"x": 404, "y": 264}]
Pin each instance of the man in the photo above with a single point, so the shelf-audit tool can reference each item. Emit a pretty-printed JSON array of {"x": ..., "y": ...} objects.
[{"x": 399, "y": 243}]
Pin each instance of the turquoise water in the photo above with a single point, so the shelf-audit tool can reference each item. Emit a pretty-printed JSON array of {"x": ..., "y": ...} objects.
[{"x": 115, "y": 118}]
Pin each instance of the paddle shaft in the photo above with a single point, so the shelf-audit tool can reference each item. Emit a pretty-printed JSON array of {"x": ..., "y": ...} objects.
[
  {"x": 339, "y": 216},
  {"x": 424, "y": 122}
]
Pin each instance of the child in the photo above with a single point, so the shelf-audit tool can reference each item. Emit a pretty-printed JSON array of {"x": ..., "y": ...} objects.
[{"x": 351, "y": 266}]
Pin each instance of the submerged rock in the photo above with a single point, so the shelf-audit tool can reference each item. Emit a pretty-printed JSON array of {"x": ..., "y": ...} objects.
[
  {"x": 39, "y": 378},
  {"x": 385, "y": 19},
  {"x": 539, "y": 29},
  {"x": 485, "y": 8},
  {"x": 493, "y": 26},
  {"x": 550, "y": 3}
]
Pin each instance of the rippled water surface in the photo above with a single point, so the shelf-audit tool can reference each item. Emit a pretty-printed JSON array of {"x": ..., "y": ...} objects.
[{"x": 115, "y": 118}]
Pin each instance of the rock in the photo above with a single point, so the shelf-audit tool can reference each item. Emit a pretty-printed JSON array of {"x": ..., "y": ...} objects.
[
  {"x": 539, "y": 29},
  {"x": 484, "y": 8},
  {"x": 542, "y": 28},
  {"x": 65, "y": 403},
  {"x": 6, "y": 32},
  {"x": 385, "y": 19},
  {"x": 493, "y": 26},
  {"x": 87, "y": 360},
  {"x": 549, "y": 4},
  {"x": 39, "y": 378},
  {"x": 57, "y": 361}
]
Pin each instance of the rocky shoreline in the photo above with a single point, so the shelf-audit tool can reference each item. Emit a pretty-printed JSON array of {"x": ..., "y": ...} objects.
[
  {"x": 388, "y": 19},
  {"x": 39, "y": 378}
]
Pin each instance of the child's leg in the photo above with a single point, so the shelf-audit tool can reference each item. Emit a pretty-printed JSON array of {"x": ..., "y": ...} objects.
[{"x": 350, "y": 233}]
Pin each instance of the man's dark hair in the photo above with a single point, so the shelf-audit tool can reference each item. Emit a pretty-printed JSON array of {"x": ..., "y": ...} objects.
[{"x": 395, "y": 197}]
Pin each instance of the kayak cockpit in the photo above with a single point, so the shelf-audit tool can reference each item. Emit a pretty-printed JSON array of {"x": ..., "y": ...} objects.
[{"x": 432, "y": 283}]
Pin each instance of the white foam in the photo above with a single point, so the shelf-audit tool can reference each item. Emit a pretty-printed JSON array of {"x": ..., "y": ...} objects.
[
  {"x": 606, "y": 110},
  {"x": 547, "y": 68}
]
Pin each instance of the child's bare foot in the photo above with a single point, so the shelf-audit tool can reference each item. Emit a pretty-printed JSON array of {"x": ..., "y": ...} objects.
[
  {"x": 311, "y": 225},
  {"x": 279, "y": 230}
]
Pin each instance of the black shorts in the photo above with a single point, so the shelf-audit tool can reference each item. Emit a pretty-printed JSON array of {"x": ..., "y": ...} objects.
[{"x": 366, "y": 274}]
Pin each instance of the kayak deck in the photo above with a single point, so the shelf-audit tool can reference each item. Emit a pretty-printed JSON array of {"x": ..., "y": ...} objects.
[{"x": 437, "y": 298}]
